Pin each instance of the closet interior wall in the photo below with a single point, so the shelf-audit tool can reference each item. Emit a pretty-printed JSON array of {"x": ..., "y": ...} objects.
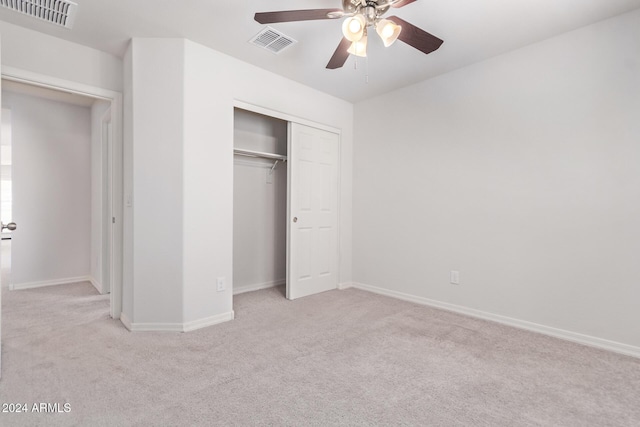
[{"x": 259, "y": 203}]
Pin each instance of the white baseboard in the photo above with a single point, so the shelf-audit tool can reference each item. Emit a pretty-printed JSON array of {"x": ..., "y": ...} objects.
[
  {"x": 345, "y": 285},
  {"x": 96, "y": 284},
  {"x": 125, "y": 321},
  {"x": 151, "y": 327},
  {"x": 258, "y": 286},
  {"x": 576, "y": 337},
  {"x": 208, "y": 321},
  {"x": 176, "y": 327},
  {"x": 40, "y": 284}
]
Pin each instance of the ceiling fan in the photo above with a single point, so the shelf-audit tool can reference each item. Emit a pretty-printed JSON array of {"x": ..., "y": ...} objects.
[{"x": 361, "y": 15}]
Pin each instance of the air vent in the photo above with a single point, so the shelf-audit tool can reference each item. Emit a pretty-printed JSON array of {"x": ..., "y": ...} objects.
[
  {"x": 272, "y": 40},
  {"x": 59, "y": 12}
]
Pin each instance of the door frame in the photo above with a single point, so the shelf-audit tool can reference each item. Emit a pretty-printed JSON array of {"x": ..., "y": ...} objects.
[
  {"x": 106, "y": 163},
  {"x": 265, "y": 111},
  {"x": 116, "y": 190}
]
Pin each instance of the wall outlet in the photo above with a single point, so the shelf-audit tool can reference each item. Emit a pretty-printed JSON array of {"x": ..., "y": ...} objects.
[
  {"x": 455, "y": 277},
  {"x": 221, "y": 284}
]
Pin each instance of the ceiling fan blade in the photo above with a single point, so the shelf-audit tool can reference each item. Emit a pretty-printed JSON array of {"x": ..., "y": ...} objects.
[
  {"x": 402, "y": 3},
  {"x": 296, "y": 15},
  {"x": 416, "y": 37},
  {"x": 340, "y": 55}
]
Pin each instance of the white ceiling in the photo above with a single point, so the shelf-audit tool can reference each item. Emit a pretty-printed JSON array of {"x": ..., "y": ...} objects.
[{"x": 472, "y": 30}]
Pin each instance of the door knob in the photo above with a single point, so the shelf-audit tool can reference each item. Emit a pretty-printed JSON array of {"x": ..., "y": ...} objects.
[
  {"x": 295, "y": 219},
  {"x": 11, "y": 226}
]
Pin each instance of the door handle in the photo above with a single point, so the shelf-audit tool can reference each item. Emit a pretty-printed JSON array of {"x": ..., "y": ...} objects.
[
  {"x": 11, "y": 226},
  {"x": 295, "y": 219}
]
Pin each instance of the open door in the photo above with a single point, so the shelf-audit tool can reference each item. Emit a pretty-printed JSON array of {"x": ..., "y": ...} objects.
[{"x": 312, "y": 230}]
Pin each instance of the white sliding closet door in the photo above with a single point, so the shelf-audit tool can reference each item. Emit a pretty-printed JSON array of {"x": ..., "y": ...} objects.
[{"x": 312, "y": 250}]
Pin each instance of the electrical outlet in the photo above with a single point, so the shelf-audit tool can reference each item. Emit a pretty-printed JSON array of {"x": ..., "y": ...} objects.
[
  {"x": 221, "y": 285},
  {"x": 455, "y": 277}
]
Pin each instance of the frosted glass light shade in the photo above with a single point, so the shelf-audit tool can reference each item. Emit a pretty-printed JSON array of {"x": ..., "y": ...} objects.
[
  {"x": 353, "y": 28},
  {"x": 359, "y": 48},
  {"x": 388, "y": 31}
]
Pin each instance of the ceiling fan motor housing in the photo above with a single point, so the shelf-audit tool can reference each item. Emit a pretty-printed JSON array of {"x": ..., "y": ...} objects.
[
  {"x": 370, "y": 14},
  {"x": 370, "y": 9}
]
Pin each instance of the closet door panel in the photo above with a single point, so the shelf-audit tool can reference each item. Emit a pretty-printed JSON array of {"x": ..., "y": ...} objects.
[
  {"x": 324, "y": 251},
  {"x": 313, "y": 213}
]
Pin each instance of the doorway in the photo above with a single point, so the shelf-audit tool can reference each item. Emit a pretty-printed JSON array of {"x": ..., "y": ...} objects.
[
  {"x": 104, "y": 225},
  {"x": 286, "y": 204},
  {"x": 259, "y": 202}
]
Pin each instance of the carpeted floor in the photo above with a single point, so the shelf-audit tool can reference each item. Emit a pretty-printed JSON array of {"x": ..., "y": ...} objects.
[{"x": 338, "y": 358}]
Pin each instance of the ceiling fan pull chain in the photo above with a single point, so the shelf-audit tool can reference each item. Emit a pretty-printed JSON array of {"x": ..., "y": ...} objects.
[
  {"x": 366, "y": 70},
  {"x": 355, "y": 63}
]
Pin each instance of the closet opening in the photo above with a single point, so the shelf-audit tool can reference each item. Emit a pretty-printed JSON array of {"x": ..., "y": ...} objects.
[
  {"x": 259, "y": 202},
  {"x": 285, "y": 204}
]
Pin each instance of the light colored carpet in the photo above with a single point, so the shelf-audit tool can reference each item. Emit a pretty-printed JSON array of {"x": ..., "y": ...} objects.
[{"x": 338, "y": 358}]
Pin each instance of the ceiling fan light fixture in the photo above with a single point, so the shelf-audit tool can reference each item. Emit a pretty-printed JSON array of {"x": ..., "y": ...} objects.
[
  {"x": 353, "y": 27},
  {"x": 388, "y": 31},
  {"x": 359, "y": 48},
  {"x": 358, "y": 16}
]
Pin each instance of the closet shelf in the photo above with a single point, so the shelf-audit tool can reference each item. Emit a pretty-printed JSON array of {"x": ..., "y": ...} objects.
[{"x": 259, "y": 154}]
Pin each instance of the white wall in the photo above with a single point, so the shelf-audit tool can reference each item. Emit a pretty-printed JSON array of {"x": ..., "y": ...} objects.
[
  {"x": 212, "y": 82},
  {"x": 522, "y": 173},
  {"x": 127, "y": 185},
  {"x": 40, "y": 53},
  {"x": 179, "y": 157},
  {"x": 98, "y": 193},
  {"x": 259, "y": 206},
  {"x": 157, "y": 180},
  {"x": 51, "y": 189}
]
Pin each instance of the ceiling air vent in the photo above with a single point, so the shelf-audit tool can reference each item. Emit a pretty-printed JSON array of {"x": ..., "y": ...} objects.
[
  {"x": 272, "y": 40},
  {"x": 59, "y": 12}
]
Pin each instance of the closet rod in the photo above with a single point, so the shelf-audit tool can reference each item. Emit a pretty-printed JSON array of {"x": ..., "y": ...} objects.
[{"x": 251, "y": 153}]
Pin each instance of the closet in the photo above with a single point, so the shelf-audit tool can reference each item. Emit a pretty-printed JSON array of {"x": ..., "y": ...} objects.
[
  {"x": 285, "y": 205},
  {"x": 259, "y": 201}
]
